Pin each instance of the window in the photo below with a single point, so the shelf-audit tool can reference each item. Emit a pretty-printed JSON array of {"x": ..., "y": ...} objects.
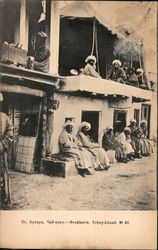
[
  {"x": 136, "y": 116},
  {"x": 145, "y": 115},
  {"x": 119, "y": 121},
  {"x": 28, "y": 125}
]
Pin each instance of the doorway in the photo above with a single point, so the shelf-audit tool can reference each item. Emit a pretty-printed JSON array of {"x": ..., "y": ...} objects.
[
  {"x": 136, "y": 116},
  {"x": 145, "y": 115},
  {"x": 93, "y": 118},
  {"x": 119, "y": 121}
]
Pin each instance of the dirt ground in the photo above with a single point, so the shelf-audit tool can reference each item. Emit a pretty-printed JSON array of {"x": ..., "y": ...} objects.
[{"x": 129, "y": 186}]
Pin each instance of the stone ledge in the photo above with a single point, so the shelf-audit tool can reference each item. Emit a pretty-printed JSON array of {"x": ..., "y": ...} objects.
[{"x": 58, "y": 168}]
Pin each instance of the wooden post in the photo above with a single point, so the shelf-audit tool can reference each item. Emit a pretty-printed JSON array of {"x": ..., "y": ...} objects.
[
  {"x": 23, "y": 25},
  {"x": 54, "y": 37}
]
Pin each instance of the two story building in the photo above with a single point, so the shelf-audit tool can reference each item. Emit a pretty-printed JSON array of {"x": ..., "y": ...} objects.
[{"x": 39, "y": 102}]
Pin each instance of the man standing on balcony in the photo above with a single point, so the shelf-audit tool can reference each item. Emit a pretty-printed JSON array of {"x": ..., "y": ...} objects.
[
  {"x": 117, "y": 73},
  {"x": 42, "y": 53},
  {"x": 6, "y": 137},
  {"x": 90, "y": 68}
]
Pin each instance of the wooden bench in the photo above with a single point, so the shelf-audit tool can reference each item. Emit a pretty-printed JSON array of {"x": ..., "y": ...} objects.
[{"x": 58, "y": 168}]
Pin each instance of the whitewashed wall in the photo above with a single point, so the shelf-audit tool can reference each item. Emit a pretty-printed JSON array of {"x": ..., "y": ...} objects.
[{"x": 72, "y": 106}]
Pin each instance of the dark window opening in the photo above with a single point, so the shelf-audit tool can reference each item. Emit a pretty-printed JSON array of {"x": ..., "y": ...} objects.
[
  {"x": 93, "y": 118},
  {"x": 4, "y": 104},
  {"x": 136, "y": 116},
  {"x": 145, "y": 115},
  {"x": 10, "y": 15},
  {"x": 119, "y": 121},
  {"x": 28, "y": 125}
]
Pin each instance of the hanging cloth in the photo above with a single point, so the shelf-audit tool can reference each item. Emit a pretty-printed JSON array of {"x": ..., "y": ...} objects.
[
  {"x": 139, "y": 57},
  {"x": 95, "y": 43}
]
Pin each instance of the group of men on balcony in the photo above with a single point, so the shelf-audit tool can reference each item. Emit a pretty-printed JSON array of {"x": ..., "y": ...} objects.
[{"x": 117, "y": 73}]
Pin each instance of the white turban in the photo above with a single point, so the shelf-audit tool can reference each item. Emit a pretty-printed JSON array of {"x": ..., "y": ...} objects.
[
  {"x": 141, "y": 71},
  {"x": 85, "y": 125},
  {"x": 127, "y": 129},
  {"x": 133, "y": 120},
  {"x": 108, "y": 128},
  {"x": 143, "y": 121},
  {"x": 91, "y": 58},
  {"x": 116, "y": 61},
  {"x": 68, "y": 123}
]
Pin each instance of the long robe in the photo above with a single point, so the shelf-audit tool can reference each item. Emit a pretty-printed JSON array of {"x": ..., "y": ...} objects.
[
  {"x": 89, "y": 70},
  {"x": 133, "y": 80},
  {"x": 110, "y": 143},
  {"x": 42, "y": 59},
  {"x": 101, "y": 156},
  {"x": 146, "y": 147},
  {"x": 135, "y": 138},
  {"x": 71, "y": 146},
  {"x": 6, "y": 137},
  {"x": 117, "y": 75},
  {"x": 128, "y": 149}
]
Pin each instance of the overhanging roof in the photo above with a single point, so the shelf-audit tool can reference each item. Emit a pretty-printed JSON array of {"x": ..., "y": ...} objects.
[
  {"x": 84, "y": 9},
  {"x": 98, "y": 86},
  {"x": 21, "y": 90},
  {"x": 28, "y": 78}
]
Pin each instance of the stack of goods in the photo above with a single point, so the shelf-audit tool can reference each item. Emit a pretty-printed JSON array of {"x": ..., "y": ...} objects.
[{"x": 13, "y": 54}]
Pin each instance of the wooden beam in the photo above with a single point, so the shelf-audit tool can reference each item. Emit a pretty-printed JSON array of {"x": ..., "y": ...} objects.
[
  {"x": 23, "y": 25},
  {"x": 54, "y": 37}
]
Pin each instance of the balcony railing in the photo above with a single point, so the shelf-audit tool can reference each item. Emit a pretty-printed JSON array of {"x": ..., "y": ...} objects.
[{"x": 93, "y": 86}]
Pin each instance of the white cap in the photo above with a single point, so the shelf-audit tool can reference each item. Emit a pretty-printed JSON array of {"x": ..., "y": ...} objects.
[
  {"x": 127, "y": 129},
  {"x": 116, "y": 61},
  {"x": 109, "y": 128},
  {"x": 91, "y": 57},
  {"x": 141, "y": 71},
  {"x": 132, "y": 121},
  {"x": 74, "y": 72},
  {"x": 143, "y": 121},
  {"x": 86, "y": 125},
  {"x": 68, "y": 123}
]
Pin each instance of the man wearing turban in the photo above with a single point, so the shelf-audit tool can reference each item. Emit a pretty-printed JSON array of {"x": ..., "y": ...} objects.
[
  {"x": 117, "y": 73},
  {"x": 90, "y": 68},
  {"x": 71, "y": 147},
  {"x": 6, "y": 137}
]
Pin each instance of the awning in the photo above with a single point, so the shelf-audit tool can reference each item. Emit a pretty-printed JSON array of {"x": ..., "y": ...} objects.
[
  {"x": 28, "y": 78},
  {"x": 82, "y": 9},
  {"x": 21, "y": 90}
]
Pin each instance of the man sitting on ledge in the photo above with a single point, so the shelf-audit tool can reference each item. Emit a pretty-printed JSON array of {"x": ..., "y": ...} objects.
[
  {"x": 90, "y": 68},
  {"x": 71, "y": 146}
]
